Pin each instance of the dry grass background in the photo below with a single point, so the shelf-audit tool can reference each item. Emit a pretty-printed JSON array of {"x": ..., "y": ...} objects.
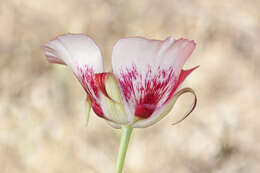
[{"x": 42, "y": 115}]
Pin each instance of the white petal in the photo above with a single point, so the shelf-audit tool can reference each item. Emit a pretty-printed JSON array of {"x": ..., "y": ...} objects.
[
  {"x": 148, "y": 70},
  {"x": 75, "y": 50}
]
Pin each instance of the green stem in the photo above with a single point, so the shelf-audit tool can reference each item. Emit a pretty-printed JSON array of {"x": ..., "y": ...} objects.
[{"x": 125, "y": 137}]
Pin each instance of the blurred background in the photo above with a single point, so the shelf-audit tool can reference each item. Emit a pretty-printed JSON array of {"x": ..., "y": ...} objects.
[{"x": 42, "y": 107}]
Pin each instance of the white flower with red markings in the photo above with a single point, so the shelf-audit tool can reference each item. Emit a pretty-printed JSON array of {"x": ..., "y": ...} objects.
[{"x": 143, "y": 86}]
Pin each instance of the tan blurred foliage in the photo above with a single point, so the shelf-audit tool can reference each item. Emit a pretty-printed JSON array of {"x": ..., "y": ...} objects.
[{"x": 42, "y": 115}]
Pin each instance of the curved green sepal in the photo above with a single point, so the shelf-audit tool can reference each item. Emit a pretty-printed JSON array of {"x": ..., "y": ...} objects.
[{"x": 192, "y": 107}]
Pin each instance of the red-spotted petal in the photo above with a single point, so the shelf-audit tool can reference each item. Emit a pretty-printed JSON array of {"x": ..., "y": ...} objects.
[
  {"x": 81, "y": 54},
  {"x": 148, "y": 71}
]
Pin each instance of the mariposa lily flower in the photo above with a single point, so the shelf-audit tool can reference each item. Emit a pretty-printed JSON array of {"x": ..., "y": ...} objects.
[{"x": 143, "y": 86}]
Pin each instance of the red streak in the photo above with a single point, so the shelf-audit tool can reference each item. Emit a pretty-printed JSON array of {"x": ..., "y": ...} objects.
[
  {"x": 86, "y": 78},
  {"x": 145, "y": 91}
]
